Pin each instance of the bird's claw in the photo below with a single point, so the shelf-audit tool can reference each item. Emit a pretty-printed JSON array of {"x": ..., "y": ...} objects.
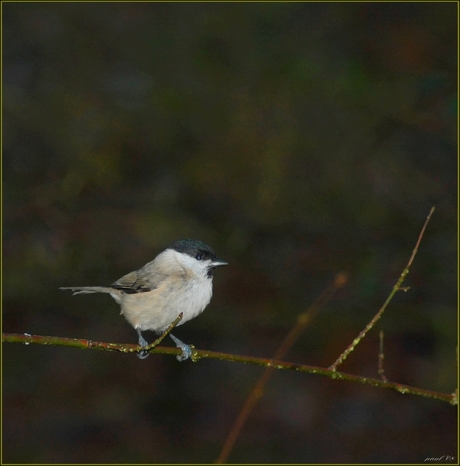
[{"x": 186, "y": 350}]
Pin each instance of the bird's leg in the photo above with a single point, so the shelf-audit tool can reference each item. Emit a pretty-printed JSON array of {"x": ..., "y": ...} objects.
[
  {"x": 186, "y": 351},
  {"x": 142, "y": 342}
]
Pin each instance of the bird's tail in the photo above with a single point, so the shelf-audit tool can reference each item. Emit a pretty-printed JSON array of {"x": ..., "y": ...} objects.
[{"x": 87, "y": 289}]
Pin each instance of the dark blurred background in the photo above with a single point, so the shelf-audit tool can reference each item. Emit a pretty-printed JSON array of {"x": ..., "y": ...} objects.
[{"x": 298, "y": 140}]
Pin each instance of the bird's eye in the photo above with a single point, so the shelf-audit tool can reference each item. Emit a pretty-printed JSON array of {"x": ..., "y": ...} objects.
[{"x": 199, "y": 257}]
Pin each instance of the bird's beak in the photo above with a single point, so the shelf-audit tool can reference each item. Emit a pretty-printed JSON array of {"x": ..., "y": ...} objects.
[{"x": 218, "y": 263}]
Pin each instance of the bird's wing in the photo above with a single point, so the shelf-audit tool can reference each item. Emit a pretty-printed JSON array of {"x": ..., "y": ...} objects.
[
  {"x": 151, "y": 276},
  {"x": 133, "y": 282}
]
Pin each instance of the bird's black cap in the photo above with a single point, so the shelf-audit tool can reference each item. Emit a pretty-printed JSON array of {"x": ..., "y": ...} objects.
[
  {"x": 193, "y": 247},
  {"x": 199, "y": 251}
]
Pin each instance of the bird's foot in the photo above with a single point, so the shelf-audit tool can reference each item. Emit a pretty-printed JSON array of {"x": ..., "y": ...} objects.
[
  {"x": 143, "y": 343},
  {"x": 186, "y": 350}
]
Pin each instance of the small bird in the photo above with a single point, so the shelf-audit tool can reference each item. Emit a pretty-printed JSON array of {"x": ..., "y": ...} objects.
[{"x": 178, "y": 280}]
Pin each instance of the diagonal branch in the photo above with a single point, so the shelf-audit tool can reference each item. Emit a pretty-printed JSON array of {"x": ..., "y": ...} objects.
[{"x": 303, "y": 321}]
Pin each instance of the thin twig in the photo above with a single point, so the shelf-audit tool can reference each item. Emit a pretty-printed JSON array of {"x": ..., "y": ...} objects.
[
  {"x": 381, "y": 370},
  {"x": 164, "y": 334},
  {"x": 395, "y": 289}
]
